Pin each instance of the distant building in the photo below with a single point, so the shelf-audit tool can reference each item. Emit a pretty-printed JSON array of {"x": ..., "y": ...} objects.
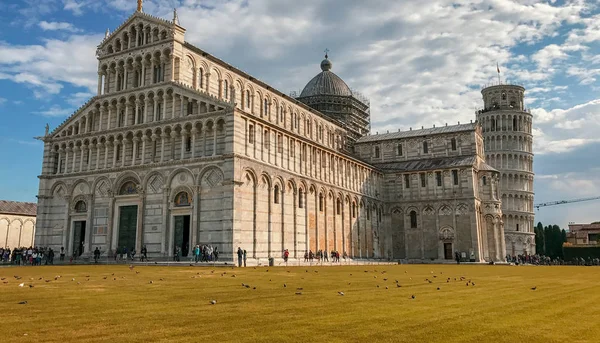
[
  {"x": 17, "y": 223},
  {"x": 584, "y": 233}
]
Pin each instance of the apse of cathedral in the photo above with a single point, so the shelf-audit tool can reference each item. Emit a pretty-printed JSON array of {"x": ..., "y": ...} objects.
[{"x": 179, "y": 148}]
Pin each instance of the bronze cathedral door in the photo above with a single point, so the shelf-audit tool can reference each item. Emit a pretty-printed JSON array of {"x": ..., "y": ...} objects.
[
  {"x": 448, "y": 251},
  {"x": 127, "y": 227}
]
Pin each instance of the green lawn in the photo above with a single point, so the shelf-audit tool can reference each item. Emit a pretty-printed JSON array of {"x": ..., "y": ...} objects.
[{"x": 500, "y": 307}]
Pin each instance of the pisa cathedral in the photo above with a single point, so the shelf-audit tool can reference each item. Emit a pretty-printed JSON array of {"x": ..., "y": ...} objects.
[{"x": 179, "y": 148}]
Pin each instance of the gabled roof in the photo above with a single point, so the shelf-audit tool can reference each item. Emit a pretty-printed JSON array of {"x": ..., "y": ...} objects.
[
  {"x": 427, "y": 164},
  {"x": 18, "y": 208},
  {"x": 148, "y": 17},
  {"x": 418, "y": 133}
]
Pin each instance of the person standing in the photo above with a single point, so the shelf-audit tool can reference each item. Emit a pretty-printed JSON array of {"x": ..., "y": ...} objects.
[
  {"x": 457, "y": 257},
  {"x": 286, "y": 255},
  {"x": 96, "y": 255},
  {"x": 240, "y": 254},
  {"x": 244, "y": 257},
  {"x": 62, "y": 253},
  {"x": 216, "y": 253},
  {"x": 144, "y": 255}
]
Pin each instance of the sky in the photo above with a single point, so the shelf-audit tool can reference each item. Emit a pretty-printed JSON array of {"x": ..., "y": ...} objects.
[{"x": 421, "y": 62}]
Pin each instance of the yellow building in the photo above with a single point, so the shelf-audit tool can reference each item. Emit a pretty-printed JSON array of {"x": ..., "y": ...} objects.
[{"x": 17, "y": 223}]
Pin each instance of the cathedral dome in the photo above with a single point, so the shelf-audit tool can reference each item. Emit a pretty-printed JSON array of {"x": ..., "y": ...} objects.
[{"x": 326, "y": 83}]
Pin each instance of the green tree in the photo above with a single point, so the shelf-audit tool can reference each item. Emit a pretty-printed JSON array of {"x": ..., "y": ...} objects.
[{"x": 539, "y": 238}]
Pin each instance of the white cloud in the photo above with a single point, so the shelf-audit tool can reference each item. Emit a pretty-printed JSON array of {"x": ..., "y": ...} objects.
[
  {"x": 56, "y": 26},
  {"x": 559, "y": 131},
  {"x": 44, "y": 67},
  {"x": 55, "y": 111},
  {"x": 2, "y": 101}
]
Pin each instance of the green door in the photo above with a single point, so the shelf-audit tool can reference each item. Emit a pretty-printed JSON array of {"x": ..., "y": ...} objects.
[
  {"x": 127, "y": 227},
  {"x": 182, "y": 234},
  {"x": 78, "y": 238}
]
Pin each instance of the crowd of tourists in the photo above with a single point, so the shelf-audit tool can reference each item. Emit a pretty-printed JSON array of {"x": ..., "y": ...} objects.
[
  {"x": 33, "y": 256},
  {"x": 323, "y": 256},
  {"x": 205, "y": 253},
  {"x": 543, "y": 260}
]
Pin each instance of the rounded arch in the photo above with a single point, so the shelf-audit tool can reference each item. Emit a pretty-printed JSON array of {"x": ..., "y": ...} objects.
[
  {"x": 213, "y": 175},
  {"x": 59, "y": 188},
  {"x": 177, "y": 172},
  {"x": 123, "y": 178},
  {"x": 80, "y": 186}
]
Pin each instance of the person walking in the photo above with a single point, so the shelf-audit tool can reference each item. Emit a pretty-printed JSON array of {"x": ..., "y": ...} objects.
[
  {"x": 457, "y": 257},
  {"x": 240, "y": 254}
]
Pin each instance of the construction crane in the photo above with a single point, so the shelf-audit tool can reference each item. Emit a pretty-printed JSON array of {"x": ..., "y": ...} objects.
[{"x": 560, "y": 202}]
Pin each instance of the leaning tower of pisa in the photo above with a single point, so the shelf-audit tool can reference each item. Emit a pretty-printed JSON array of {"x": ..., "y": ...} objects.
[{"x": 508, "y": 148}]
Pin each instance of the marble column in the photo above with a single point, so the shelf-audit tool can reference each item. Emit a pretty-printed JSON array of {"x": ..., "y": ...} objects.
[
  {"x": 144, "y": 140},
  {"x": 194, "y": 132},
  {"x": 136, "y": 141}
]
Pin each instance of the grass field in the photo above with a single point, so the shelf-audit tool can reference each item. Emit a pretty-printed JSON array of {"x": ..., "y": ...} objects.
[{"x": 125, "y": 307}]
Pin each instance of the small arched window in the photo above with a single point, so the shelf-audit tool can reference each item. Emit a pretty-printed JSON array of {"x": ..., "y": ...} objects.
[
  {"x": 321, "y": 202},
  {"x": 301, "y": 199},
  {"x": 399, "y": 152},
  {"x": 226, "y": 89},
  {"x": 182, "y": 199},
  {"x": 276, "y": 194},
  {"x": 201, "y": 78},
  {"x": 425, "y": 148},
  {"x": 247, "y": 98},
  {"x": 503, "y": 96},
  {"x": 377, "y": 153},
  {"x": 353, "y": 210},
  {"x": 266, "y": 106},
  {"x": 484, "y": 181},
  {"x": 339, "y": 206},
  {"x": 413, "y": 219},
  {"x": 80, "y": 207},
  {"x": 453, "y": 143}
]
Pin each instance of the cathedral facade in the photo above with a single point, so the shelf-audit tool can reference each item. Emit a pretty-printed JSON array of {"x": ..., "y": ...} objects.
[{"x": 179, "y": 148}]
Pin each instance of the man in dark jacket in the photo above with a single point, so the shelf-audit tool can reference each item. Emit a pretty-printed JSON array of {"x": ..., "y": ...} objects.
[{"x": 240, "y": 254}]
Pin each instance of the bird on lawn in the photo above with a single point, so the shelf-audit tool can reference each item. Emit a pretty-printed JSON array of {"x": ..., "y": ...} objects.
[
  {"x": 151, "y": 281},
  {"x": 398, "y": 286},
  {"x": 438, "y": 288},
  {"x": 22, "y": 285},
  {"x": 341, "y": 293},
  {"x": 533, "y": 288},
  {"x": 23, "y": 302},
  {"x": 413, "y": 296},
  {"x": 298, "y": 293},
  {"x": 212, "y": 302},
  {"x": 284, "y": 285},
  {"x": 30, "y": 286}
]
